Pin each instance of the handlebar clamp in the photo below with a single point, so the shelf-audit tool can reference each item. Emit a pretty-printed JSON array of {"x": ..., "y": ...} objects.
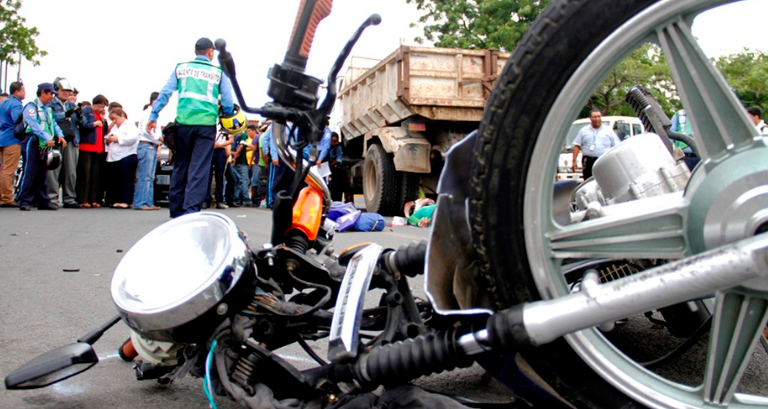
[{"x": 291, "y": 87}]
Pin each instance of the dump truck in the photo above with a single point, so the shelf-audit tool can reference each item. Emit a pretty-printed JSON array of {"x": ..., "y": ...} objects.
[{"x": 400, "y": 117}]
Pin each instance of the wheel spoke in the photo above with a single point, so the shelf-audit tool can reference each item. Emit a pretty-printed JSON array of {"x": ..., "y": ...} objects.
[
  {"x": 739, "y": 320},
  {"x": 718, "y": 119},
  {"x": 650, "y": 228}
]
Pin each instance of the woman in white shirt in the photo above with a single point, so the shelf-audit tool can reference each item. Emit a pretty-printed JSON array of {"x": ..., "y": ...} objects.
[{"x": 122, "y": 142}]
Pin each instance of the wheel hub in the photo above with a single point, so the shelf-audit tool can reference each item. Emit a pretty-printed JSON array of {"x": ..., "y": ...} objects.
[{"x": 728, "y": 200}]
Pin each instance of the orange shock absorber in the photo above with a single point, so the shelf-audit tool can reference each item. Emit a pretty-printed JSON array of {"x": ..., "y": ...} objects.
[{"x": 308, "y": 212}]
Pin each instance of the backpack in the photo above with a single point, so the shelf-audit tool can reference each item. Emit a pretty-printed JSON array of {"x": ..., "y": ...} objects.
[{"x": 20, "y": 127}]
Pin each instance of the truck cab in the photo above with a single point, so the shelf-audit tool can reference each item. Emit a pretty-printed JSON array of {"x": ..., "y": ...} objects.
[{"x": 624, "y": 126}]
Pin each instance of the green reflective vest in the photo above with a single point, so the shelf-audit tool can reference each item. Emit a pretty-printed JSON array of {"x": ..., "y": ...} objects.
[
  {"x": 198, "y": 86},
  {"x": 48, "y": 125},
  {"x": 683, "y": 126}
]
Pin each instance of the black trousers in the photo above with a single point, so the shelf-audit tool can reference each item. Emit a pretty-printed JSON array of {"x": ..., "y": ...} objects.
[
  {"x": 191, "y": 169},
  {"x": 34, "y": 180},
  {"x": 587, "y": 163}
]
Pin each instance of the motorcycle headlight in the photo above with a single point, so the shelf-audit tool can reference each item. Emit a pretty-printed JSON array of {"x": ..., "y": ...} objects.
[{"x": 180, "y": 280}]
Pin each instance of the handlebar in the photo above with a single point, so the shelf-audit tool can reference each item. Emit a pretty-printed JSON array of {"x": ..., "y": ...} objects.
[{"x": 310, "y": 14}]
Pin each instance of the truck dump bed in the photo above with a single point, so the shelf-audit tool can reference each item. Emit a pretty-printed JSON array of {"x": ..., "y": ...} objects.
[{"x": 442, "y": 84}]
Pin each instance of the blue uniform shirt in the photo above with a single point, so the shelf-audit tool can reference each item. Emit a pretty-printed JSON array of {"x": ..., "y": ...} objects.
[
  {"x": 31, "y": 117},
  {"x": 225, "y": 90},
  {"x": 272, "y": 147},
  {"x": 10, "y": 109}
]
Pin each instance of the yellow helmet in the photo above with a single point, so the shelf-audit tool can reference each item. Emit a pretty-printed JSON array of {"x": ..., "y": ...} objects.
[{"x": 236, "y": 123}]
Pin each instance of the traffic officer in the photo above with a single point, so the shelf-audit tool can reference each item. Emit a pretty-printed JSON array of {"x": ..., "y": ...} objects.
[
  {"x": 42, "y": 132},
  {"x": 200, "y": 85}
]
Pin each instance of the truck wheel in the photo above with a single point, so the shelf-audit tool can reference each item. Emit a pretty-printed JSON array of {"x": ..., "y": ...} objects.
[
  {"x": 409, "y": 189},
  {"x": 379, "y": 182}
]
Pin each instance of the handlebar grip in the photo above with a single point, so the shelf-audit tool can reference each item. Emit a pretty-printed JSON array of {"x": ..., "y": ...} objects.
[{"x": 311, "y": 12}]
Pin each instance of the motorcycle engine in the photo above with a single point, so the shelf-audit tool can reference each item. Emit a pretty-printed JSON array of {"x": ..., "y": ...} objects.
[{"x": 638, "y": 168}]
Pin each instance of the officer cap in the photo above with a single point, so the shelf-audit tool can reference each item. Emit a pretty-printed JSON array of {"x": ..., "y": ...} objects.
[{"x": 203, "y": 44}]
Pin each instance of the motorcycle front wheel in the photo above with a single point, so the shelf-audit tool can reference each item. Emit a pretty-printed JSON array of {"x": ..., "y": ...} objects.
[{"x": 522, "y": 246}]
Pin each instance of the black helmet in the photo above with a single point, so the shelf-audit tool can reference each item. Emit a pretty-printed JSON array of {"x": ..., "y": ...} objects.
[{"x": 50, "y": 158}]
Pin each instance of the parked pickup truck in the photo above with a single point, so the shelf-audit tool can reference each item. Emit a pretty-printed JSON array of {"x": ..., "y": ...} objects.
[{"x": 399, "y": 118}]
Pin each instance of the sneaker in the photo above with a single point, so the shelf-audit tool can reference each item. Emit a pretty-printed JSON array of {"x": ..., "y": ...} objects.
[
  {"x": 24, "y": 208},
  {"x": 233, "y": 204},
  {"x": 221, "y": 206}
]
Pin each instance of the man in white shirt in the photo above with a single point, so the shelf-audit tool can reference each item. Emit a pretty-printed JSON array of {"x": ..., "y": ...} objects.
[
  {"x": 144, "y": 195},
  {"x": 593, "y": 140},
  {"x": 756, "y": 114}
]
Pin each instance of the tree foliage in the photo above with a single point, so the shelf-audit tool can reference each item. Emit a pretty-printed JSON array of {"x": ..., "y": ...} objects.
[
  {"x": 477, "y": 24},
  {"x": 747, "y": 73},
  {"x": 16, "y": 39},
  {"x": 645, "y": 66}
]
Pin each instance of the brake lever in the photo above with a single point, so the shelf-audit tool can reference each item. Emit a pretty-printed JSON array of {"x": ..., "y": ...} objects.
[{"x": 227, "y": 64}]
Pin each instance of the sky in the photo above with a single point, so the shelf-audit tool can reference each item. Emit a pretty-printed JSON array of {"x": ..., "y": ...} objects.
[{"x": 127, "y": 50}]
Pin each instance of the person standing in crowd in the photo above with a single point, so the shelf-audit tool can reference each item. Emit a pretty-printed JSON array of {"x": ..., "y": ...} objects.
[
  {"x": 65, "y": 115},
  {"x": 144, "y": 196},
  {"x": 680, "y": 123},
  {"x": 339, "y": 177},
  {"x": 220, "y": 161},
  {"x": 122, "y": 142},
  {"x": 10, "y": 147},
  {"x": 756, "y": 114},
  {"x": 42, "y": 132},
  {"x": 240, "y": 167},
  {"x": 280, "y": 174},
  {"x": 91, "y": 150},
  {"x": 200, "y": 85},
  {"x": 259, "y": 167},
  {"x": 593, "y": 140}
]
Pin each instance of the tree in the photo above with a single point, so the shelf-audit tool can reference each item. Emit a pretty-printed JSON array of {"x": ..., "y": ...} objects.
[
  {"x": 477, "y": 24},
  {"x": 16, "y": 40},
  {"x": 747, "y": 73},
  {"x": 645, "y": 66}
]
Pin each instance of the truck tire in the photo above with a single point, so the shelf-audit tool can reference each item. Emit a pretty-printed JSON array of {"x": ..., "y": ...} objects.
[
  {"x": 409, "y": 190},
  {"x": 380, "y": 187}
]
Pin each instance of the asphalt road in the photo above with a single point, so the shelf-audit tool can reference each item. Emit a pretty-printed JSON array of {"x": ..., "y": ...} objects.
[{"x": 56, "y": 271}]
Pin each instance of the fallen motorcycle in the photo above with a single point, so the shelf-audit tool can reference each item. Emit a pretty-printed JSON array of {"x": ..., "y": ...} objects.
[{"x": 505, "y": 244}]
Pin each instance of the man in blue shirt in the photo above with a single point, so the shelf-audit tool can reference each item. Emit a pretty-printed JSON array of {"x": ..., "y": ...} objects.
[
  {"x": 593, "y": 140},
  {"x": 200, "y": 85},
  {"x": 42, "y": 132},
  {"x": 10, "y": 147}
]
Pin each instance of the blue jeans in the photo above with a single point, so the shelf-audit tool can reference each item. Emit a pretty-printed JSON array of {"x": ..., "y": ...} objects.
[
  {"x": 241, "y": 188},
  {"x": 144, "y": 196}
]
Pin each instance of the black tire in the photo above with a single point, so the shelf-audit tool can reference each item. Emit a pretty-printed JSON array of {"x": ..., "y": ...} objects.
[
  {"x": 546, "y": 58},
  {"x": 380, "y": 187},
  {"x": 410, "y": 183}
]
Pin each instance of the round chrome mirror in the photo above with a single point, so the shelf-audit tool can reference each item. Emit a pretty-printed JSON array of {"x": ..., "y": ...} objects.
[{"x": 182, "y": 278}]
